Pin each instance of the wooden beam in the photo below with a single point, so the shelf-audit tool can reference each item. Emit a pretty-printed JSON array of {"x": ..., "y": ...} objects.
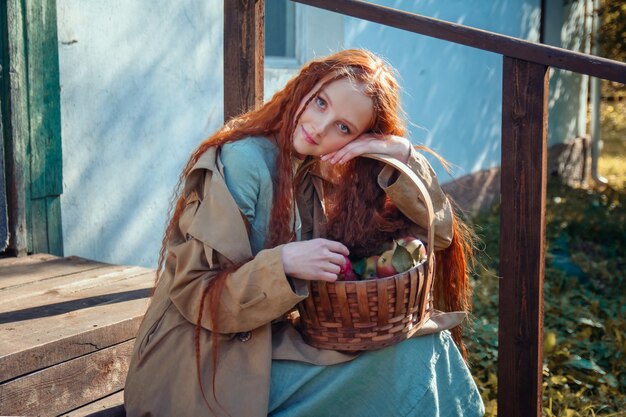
[
  {"x": 477, "y": 38},
  {"x": 243, "y": 56},
  {"x": 68, "y": 385},
  {"x": 16, "y": 127},
  {"x": 522, "y": 234},
  {"x": 111, "y": 406}
]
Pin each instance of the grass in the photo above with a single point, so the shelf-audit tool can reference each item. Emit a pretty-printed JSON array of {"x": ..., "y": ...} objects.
[
  {"x": 584, "y": 372},
  {"x": 612, "y": 164}
]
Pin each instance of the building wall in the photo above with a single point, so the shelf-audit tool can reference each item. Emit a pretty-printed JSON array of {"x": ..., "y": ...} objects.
[
  {"x": 569, "y": 28},
  {"x": 452, "y": 93},
  {"x": 141, "y": 85}
]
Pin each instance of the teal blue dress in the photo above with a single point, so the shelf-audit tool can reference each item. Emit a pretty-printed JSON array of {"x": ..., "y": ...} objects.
[{"x": 422, "y": 376}]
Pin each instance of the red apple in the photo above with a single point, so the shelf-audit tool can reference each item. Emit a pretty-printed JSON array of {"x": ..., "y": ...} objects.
[
  {"x": 350, "y": 276},
  {"x": 347, "y": 265},
  {"x": 384, "y": 268},
  {"x": 346, "y": 273},
  {"x": 370, "y": 267}
]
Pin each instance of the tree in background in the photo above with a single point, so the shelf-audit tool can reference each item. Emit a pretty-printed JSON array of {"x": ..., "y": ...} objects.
[{"x": 612, "y": 38}]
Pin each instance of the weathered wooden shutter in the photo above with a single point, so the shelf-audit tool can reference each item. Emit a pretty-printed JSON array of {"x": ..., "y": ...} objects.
[
  {"x": 34, "y": 125},
  {"x": 4, "y": 221}
]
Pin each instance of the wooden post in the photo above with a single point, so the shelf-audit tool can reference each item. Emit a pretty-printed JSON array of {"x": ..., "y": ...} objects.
[
  {"x": 15, "y": 91},
  {"x": 522, "y": 234},
  {"x": 243, "y": 55}
]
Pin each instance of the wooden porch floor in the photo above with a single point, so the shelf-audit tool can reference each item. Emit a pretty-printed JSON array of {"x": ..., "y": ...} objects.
[{"x": 67, "y": 328}]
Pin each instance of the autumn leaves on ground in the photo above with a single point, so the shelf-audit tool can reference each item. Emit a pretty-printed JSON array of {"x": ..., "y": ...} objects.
[{"x": 584, "y": 372}]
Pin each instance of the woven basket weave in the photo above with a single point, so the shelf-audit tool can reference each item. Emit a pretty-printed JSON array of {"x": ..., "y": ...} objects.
[{"x": 372, "y": 314}]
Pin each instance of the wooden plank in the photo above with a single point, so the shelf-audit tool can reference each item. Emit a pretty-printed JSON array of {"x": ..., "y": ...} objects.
[
  {"x": 17, "y": 129},
  {"x": 94, "y": 283},
  {"x": 4, "y": 220},
  {"x": 29, "y": 269},
  {"x": 29, "y": 346},
  {"x": 243, "y": 56},
  {"x": 68, "y": 385},
  {"x": 55, "y": 228},
  {"x": 44, "y": 101},
  {"x": 477, "y": 38},
  {"x": 39, "y": 225},
  {"x": 24, "y": 260},
  {"x": 522, "y": 234},
  {"x": 111, "y": 406}
]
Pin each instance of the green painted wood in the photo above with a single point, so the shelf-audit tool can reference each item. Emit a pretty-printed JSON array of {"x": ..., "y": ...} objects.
[
  {"x": 39, "y": 225},
  {"x": 55, "y": 229},
  {"x": 44, "y": 100},
  {"x": 33, "y": 120},
  {"x": 15, "y": 120}
]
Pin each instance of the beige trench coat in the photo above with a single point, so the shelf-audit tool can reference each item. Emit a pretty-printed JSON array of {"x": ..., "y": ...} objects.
[{"x": 162, "y": 379}]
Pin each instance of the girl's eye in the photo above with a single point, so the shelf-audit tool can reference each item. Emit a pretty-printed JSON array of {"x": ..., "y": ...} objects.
[
  {"x": 320, "y": 101},
  {"x": 344, "y": 128}
]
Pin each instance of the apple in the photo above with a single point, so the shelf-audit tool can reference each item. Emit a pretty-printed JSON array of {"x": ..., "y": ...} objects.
[
  {"x": 384, "y": 267},
  {"x": 346, "y": 273},
  {"x": 350, "y": 276},
  {"x": 417, "y": 250},
  {"x": 347, "y": 265},
  {"x": 370, "y": 267}
]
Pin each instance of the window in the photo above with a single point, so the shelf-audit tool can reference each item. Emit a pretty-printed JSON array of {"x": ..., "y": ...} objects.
[{"x": 280, "y": 25}]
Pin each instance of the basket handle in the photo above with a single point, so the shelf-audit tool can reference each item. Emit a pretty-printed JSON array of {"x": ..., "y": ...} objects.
[{"x": 403, "y": 168}]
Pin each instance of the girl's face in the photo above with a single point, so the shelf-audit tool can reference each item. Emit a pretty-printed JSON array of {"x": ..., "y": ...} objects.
[{"x": 338, "y": 114}]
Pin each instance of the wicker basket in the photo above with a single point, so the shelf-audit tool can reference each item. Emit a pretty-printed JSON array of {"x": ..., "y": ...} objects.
[{"x": 372, "y": 314}]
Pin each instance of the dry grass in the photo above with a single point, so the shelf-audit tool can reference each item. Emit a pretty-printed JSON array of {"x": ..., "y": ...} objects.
[
  {"x": 584, "y": 371},
  {"x": 612, "y": 162}
]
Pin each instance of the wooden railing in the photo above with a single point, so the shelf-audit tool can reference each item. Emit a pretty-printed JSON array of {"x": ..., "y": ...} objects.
[{"x": 524, "y": 164}]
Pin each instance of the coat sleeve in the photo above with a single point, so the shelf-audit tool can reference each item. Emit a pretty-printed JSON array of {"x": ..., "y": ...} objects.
[
  {"x": 255, "y": 294},
  {"x": 404, "y": 194}
]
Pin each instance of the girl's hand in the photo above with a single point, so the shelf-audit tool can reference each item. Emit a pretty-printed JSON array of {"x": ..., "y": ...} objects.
[
  {"x": 316, "y": 259},
  {"x": 394, "y": 146}
]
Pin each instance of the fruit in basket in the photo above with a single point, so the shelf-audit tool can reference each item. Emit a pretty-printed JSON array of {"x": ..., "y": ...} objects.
[
  {"x": 358, "y": 266},
  {"x": 370, "y": 267},
  {"x": 384, "y": 265},
  {"x": 347, "y": 265},
  {"x": 406, "y": 253},
  {"x": 346, "y": 273},
  {"x": 415, "y": 247},
  {"x": 402, "y": 259},
  {"x": 347, "y": 276}
]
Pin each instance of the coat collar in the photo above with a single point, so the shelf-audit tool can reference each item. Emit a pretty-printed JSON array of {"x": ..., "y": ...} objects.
[{"x": 219, "y": 222}]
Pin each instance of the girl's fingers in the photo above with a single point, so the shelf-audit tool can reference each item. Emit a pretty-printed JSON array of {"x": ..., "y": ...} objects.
[
  {"x": 332, "y": 268},
  {"x": 338, "y": 248},
  {"x": 327, "y": 276},
  {"x": 359, "y": 146}
]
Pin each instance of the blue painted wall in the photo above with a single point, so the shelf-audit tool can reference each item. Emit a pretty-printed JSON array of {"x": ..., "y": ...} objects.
[
  {"x": 452, "y": 93},
  {"x": 141, "y": 85}
]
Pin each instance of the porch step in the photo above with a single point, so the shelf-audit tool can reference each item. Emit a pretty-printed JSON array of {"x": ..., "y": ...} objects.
[{"x": 67, "y": 328}]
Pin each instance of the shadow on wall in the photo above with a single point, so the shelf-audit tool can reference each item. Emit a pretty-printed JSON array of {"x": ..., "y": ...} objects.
[
  {"x": 451, "y": 93},
  {"x": 141, "y": 86}
]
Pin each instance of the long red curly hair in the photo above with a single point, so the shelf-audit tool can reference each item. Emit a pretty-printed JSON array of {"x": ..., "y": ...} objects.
[{"x": 277, "y": 118}]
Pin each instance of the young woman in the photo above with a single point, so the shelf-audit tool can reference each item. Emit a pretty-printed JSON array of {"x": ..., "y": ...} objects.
[{"x": 262, "y": 207}]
